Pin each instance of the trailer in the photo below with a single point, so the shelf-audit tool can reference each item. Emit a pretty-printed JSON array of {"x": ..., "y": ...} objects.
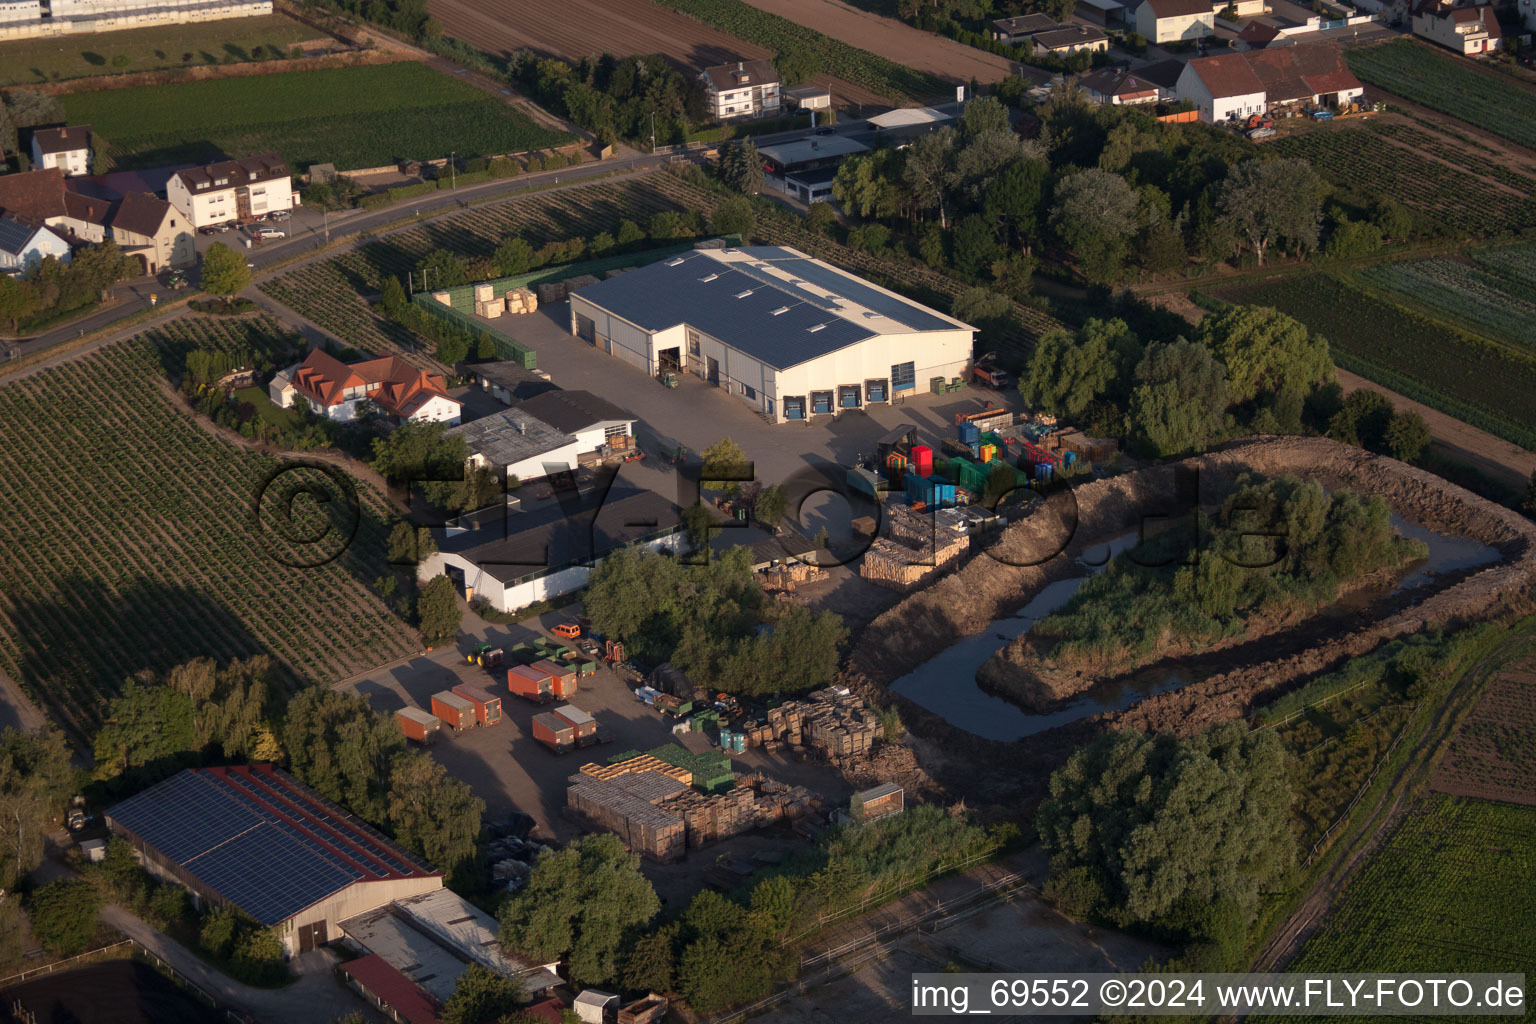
[
  {"x": 644, "y": 1011},
  {"x": 530, "y": 684},
  {"x": 487, "y": 704},
  {"x": 562, "y": 677},
  {"x": 583, "y": 725},
  {"x": 458, "y": 713},
  {"x": 421, "y": 726},
  {"x": 554, "y": 732}
]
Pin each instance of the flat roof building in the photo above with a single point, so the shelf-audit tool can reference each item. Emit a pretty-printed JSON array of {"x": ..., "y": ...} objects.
[
  {"x": 518, "y": 445},
  {"x": 789, "y": 335},
  {"x": 256, "y": 839}
]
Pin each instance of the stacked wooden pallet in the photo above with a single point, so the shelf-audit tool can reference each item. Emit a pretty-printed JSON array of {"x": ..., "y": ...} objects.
[
  {"x": 786, "y": 576},
  {"x": 630, "y": 805},
  {"x": 642, "y": 763},
  {"x": 522, "y": 300},
  {"x": 841, "y": 726}
]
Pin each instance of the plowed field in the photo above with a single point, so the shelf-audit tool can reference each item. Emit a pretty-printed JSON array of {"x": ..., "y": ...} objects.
[
  {"x": 1494, "y": 754},
  {"x": 573, "y": 29}
]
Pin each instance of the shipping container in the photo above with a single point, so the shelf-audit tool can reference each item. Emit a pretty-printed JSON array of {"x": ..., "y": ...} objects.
[
  {"x": 968, "y": 432},
  {"x": 487, "y": 704},
  {"x": 456, "y": 712},
  {"x": 922, "y": 459},
  {"x": 583, "y": 726},
  {"x": 419, "y": 725},
  {"x": 562, "y": 677},
  {"x": 554, "y": 732},
  {"x": 583, "y": 666},
  {"x": 531, "y": 684}
]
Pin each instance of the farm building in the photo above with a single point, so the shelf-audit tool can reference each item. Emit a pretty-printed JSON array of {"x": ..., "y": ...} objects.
[
  {"x": 509, "y": 381},
  {"x": 1166, "y": 21},
  {"x": 232, "y": 190},
  {"x": 256, "y": 839},
  {"x": 513, "y": 559},
  {"x": 1107, "y": 13},
  {"x": 807, "y": 97},
  {"x": 1469, "y": 28},
  {"x": 1256, "y": 81},
  {"x": 809, "y": 154},
  {"x": 789, "y": 335},
  {"x": 341, "y": 392},
  {"x": 67, "y": 148},
  {"x": 517, "y": 445},
  {"x": 594, "y": 421},
  {"x": 430, "y": 939},
  {"x": 1118, "y": 87},
  {"x": 748, "y": 88},
  {"x": 24, "y": 19}
]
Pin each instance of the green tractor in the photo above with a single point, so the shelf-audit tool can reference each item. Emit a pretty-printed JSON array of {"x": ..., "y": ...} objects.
[{"x": 485, "y": 655}]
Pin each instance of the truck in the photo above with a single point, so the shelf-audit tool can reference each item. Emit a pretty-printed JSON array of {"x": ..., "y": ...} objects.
[
  {"x": 487, "y": 704},
  {"x": 530, "y": 684},
  {"x": 986, "y": 371},
  {"x": 554, "y": 732},
  {"x": 458, "y": 713},
  {"x": 419, "y": 725}
]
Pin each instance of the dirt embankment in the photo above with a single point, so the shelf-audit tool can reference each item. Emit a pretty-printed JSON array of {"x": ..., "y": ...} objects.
[{"x": 964, "y": 602}]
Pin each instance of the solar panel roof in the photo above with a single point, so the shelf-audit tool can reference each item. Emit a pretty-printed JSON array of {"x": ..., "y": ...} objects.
[
  {"x": 745, "y": 305},
  {"x": 259, "y": 839}
]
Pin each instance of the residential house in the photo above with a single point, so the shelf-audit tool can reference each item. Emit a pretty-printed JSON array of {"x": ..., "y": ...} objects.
[
  {"x": 35, "y": 195},
  {"x": 1168, "y": 21},
  {"x": 154, "y": 232},
  {"x": 232, "y": 190},
  {"x": 748, "y": 88},
  {"x": 593, "y": 421},
  {"x": 1069, "y": 39},
  {"x": 25, "y": 243},
  {"x": 68, "y": 149},
  {"x": 1014, "y": 31},
  {"x": 1256, "y": 35},
  {"x": 1469, "y": 28},
  {"x": 1165, "y": 75},
  {"x": 335, "y": 390},
  {"x": 1108, "y": 13},
  {"x": 85, "y": 217},
  {"x": 1118, "y": 87},
  {"x": 1239, "y": 85}
]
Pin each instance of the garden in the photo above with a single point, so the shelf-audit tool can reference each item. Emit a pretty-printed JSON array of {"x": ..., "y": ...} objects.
[
  {"x": 1424, "y": 74},
  {"x": 1497, "y": 302},
  {"x": 1493, "y": 755},
  {"x": 1484, "y": 383},
  {"x": 132, "y": 545},
  {"x": 327, "y": 116}
]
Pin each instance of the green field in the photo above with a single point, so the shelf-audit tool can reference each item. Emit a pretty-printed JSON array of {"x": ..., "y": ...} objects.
[
  {"x": 1483, "y": 382},
  {"x": 1497, "y": 299},
  {"x": 235, "y": 40},
  {"x": 1426, "y": 75},
  {"x": 352, "y": 117},
  {"x": 1452, "y": 890}
]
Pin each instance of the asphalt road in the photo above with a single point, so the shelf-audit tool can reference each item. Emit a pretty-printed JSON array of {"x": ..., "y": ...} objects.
[{"x": 311, "y": 236}]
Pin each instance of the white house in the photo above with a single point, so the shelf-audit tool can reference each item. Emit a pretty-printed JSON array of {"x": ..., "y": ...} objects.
[
  {"x": 1069, "y": 39},
  {"x": 1166, "y": 21},
  {"x": 1238, "y": 85},
  {"x": 1469, "y": 28},
  {"x": 152, "y": 231},
  {"x": 68, "y": 149},
  {"x": 335, "y": 390},
  {"x": 748, "y": 88},
  {"x": 1118, "y": 87},
  {"x": 789, "y": 335},
  {"x": 232, "y": 190},
  {"x": 24, "y": 244},
  {"x": 512, "y": 558}
]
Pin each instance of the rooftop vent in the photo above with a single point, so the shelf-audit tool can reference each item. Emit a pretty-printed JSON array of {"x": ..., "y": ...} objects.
[
  {"x": 871, "y": 316},
  {"x": 781, "y": 309},
  {"x": 675, "y": 263}
]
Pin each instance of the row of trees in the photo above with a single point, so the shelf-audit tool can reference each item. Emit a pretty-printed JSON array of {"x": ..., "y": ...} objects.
[{"x": 50, "y": 288}]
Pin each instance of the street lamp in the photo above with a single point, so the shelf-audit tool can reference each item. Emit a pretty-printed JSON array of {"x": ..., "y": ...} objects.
[{"x": 453, "y": 176}]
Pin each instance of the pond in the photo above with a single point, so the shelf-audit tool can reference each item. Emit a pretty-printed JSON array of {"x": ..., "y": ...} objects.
[{"x": 946, "y": 683}]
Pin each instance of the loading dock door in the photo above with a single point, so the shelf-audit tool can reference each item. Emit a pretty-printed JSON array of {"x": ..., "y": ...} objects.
[
  {"x": 585, "y": 329},
  {"x": 311, "y": 936},
  {"x": 714, "y": 371},
  {"x": 794, "y": 408}
]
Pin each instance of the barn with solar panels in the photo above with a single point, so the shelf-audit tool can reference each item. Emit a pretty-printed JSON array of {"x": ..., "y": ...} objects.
[
  {"x": 257, "y": 840},
  {"x": 790, "y": 335}
]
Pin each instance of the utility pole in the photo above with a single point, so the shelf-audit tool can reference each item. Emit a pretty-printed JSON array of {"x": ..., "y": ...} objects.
[
  {"x": 453, "y": 172},
  {"x": 653, "y": 131}
]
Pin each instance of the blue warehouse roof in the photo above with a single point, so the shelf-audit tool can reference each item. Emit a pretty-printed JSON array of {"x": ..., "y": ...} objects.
[
  {"x": 770, "y": 319},
  {"x": 259, "y": 839}
]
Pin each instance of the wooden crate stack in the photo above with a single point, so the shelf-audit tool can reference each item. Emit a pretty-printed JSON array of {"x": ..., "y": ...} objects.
[
  {"x": 630, "y": 805},
  {"x": 840, "y": 726},
  {"x": 642, "y": 763},
  {"x": 786, "y": 576},
  {"x": 522, "y": 300}
]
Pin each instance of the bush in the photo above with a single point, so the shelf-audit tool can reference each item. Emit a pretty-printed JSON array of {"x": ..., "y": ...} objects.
[{"x": 63, "y": 916}]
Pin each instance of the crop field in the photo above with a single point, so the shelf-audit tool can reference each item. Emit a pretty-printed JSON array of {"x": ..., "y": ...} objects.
[
  {"x": 1465, "y": 294},
  {"x": 1459, "y": 189},
  {"x": 85, "y": 55},
  {"x": 1484, "y": 383},
  {"x": 1452, "y": 890},
  {"x": 353, "y": 117},
  {"x": 1424, "y": 74},
  {"x": 1493, "y": 755},
  {"x": 130, "y": 543}
]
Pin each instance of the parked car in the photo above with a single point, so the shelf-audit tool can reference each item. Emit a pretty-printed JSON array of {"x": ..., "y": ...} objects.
[
  {"x": 279, "y": 215},
  {"x": 208, "y": 229},
  {"x": 826, "y": 129},
  {"x": 268, "y": 233}
]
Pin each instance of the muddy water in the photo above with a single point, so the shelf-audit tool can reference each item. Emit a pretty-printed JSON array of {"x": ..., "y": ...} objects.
[{"x": 946, "y": 684}]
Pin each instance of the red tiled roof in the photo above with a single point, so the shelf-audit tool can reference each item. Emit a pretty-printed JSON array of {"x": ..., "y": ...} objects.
[
  {"x": 398, "y": 992},
  {"x": 1227, "y": 75},
  {"x": 549, "y": 1010},
  {"x": 401, "y": 388},
  {"x": 1256, "y": 34},
  {"x": 1117, "y": 82},
  {"x": 141, "y": 214},
  {"x": 34, "y": 194},
  {"x": 1179, "y": 8},
  {"x": 1301, "y": 72}
]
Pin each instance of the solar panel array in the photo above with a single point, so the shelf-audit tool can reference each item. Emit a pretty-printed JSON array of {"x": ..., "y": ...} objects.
[{"x": 259, "y": 840}]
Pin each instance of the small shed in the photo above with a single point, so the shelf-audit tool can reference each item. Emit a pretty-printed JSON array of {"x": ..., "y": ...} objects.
[
  {"x": 592, "y": 1004},
  {"x": 95, "y": 850},
  {"x": 807, "y": 97},
  {"x": 879, "y": 801}
]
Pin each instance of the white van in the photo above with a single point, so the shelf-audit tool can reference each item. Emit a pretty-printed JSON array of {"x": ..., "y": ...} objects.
[{"x": 267, "y": 234}]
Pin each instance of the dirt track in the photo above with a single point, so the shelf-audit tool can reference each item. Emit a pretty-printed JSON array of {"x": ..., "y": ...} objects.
[
  {"x": 964, "y": 602},
  {"x": 892, "y": 39},
  {"x": 573, "y": 29}
]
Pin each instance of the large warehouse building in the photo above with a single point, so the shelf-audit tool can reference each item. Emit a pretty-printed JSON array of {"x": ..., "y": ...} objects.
[
  {"x": 256, "y": 839},
  {"x": 790, "y": 335}
]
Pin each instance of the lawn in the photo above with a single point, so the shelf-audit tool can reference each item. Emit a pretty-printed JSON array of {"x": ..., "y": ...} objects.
[
  {"x": 1451, "y": 85},
  {"x": 1482, "y": 382},
  {"x": 1453, "y": 890},
  {"x": 228, "y": 41},
  {"x": 288, "y": 419},
  {"x": 353, "y": 117}
]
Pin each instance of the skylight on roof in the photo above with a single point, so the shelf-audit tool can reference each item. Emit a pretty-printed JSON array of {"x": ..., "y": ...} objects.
[
  {"x": 781, "y": 309},
  {"x": 815, "y": 327},
  {"x": 675, "y": 263},
  {"x": 710, "y": 277},
  {"x": 742, "y": 295}
]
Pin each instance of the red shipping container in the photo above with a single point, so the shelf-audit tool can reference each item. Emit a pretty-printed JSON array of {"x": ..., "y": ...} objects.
[
  {"x": 530, "y": 684},
  {"x": 456, "y": 712},
  {"x": 584, "y": 725},
  {"x": 487, "y": 704},
  {"x": 418, "y": 725},
  {"x": 562, "y": 677},
  {"x": 922, "y": 460},
  {"x": 554, "y": 732}
]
